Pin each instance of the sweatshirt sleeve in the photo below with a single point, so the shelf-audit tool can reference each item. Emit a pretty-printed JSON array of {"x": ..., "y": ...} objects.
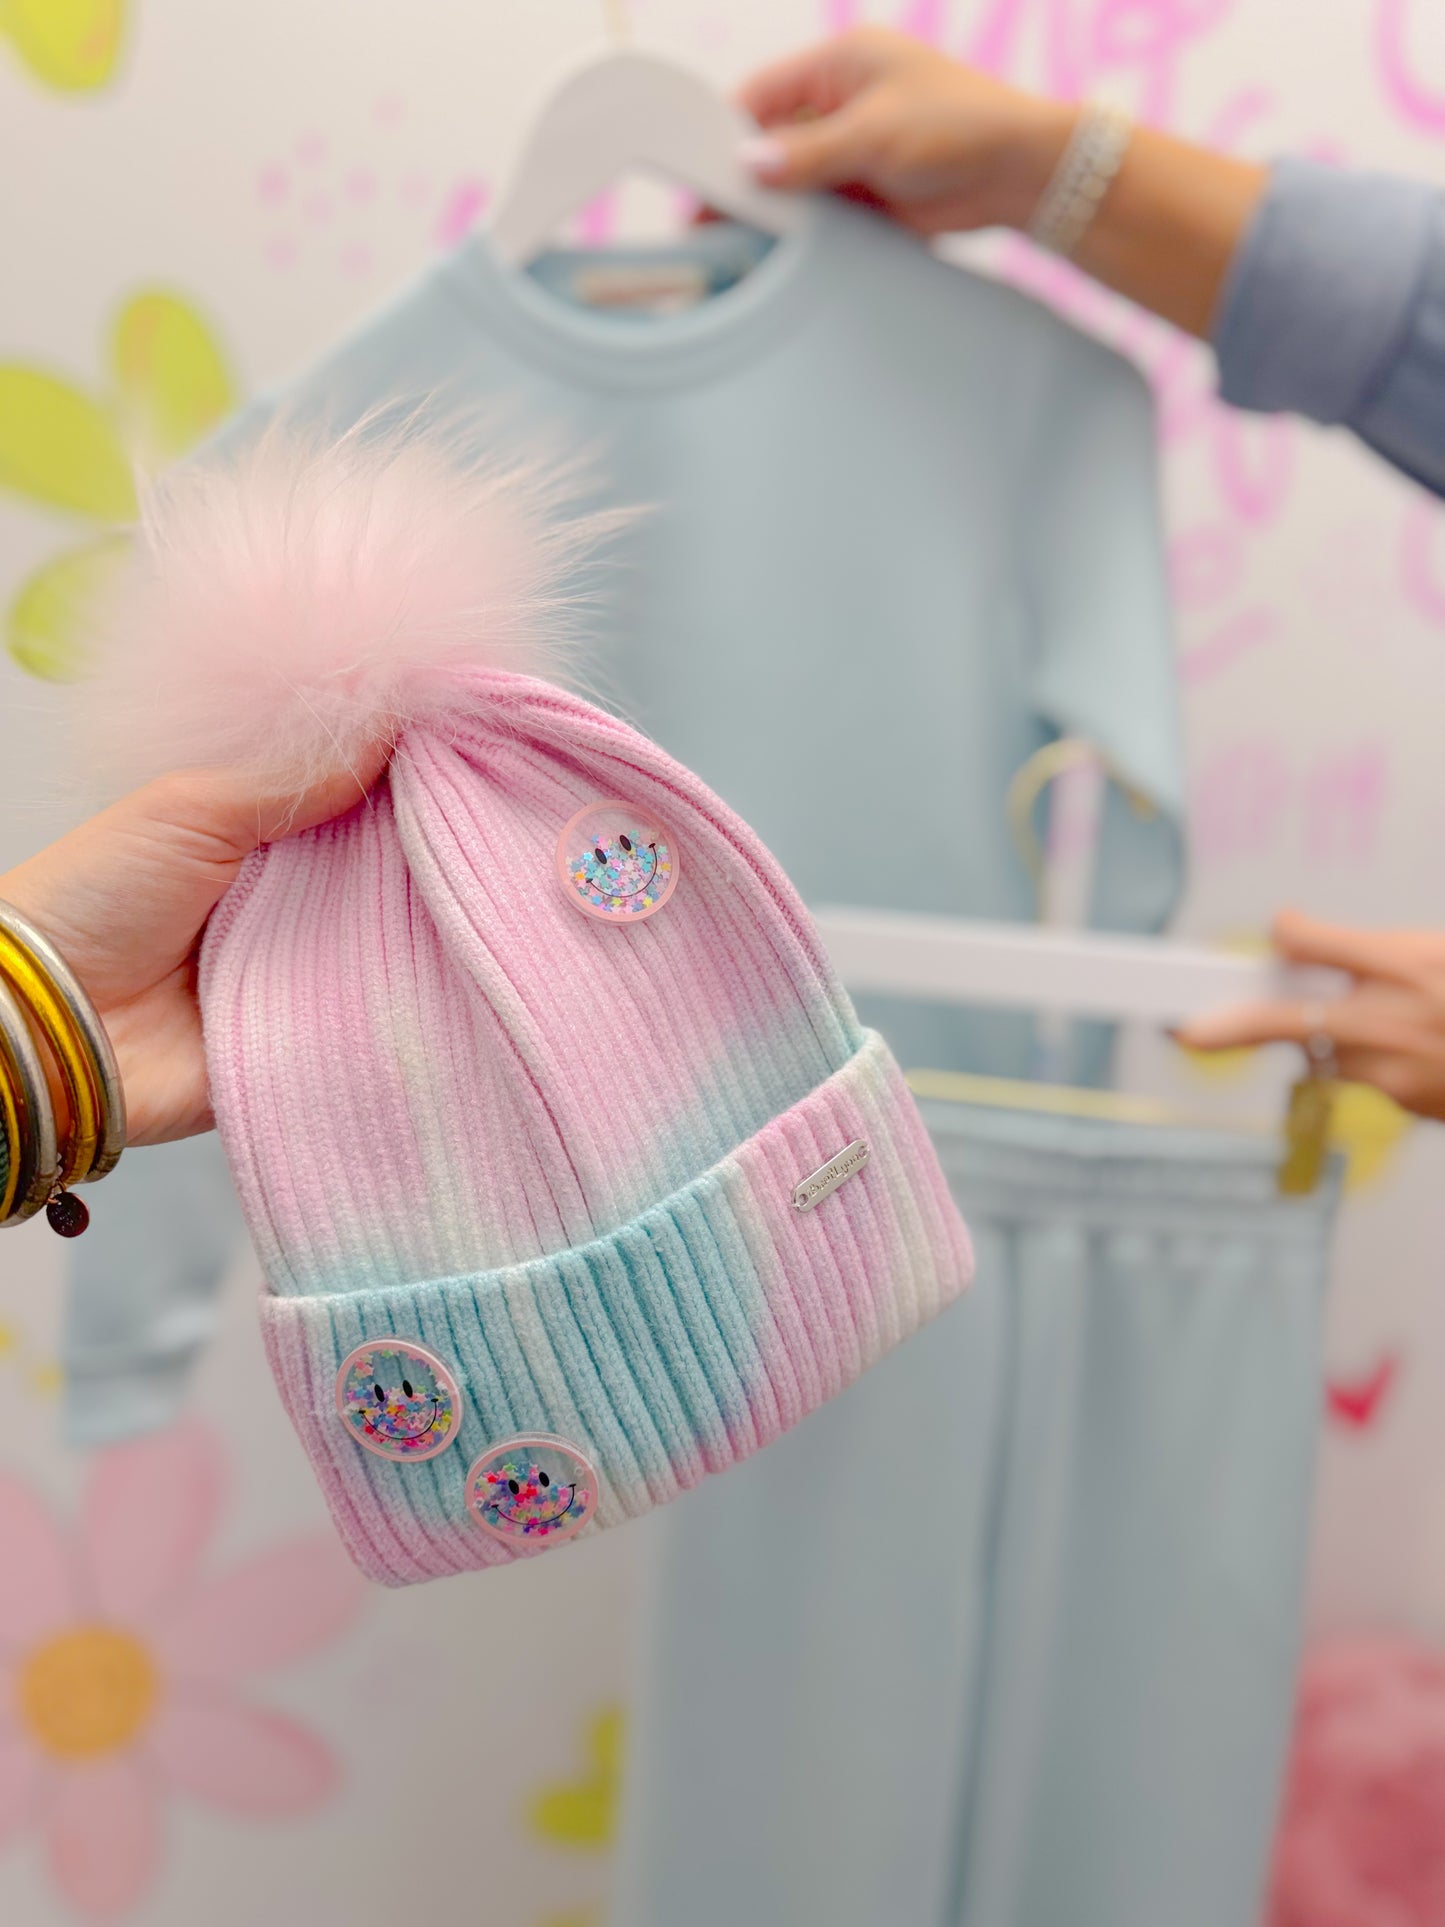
[{"x": 1334, "y": 308}]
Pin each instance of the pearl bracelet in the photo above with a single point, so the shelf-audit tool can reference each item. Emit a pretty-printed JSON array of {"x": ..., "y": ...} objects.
[{"x": 1079, "y": 183}]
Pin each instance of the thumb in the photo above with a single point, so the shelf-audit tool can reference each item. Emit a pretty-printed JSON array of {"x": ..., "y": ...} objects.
[
  {"x": 209, "y": 820},
  {"x": 831, "y": 152}
]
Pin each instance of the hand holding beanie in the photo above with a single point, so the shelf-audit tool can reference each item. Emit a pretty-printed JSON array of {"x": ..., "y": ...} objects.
[{"x": 572, "y": 1173}]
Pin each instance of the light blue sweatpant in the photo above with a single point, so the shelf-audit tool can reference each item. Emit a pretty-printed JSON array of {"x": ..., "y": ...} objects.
[{"x": 1006, "y": 1636}]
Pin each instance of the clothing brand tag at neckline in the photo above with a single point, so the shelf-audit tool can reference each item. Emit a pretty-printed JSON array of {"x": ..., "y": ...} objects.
[
  {"x": 823, "y": 1182},
  {"x": 661, "y": 287}
]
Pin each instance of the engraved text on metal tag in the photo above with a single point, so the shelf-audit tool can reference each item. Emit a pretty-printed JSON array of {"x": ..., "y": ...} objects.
[{"x": 826, "y": 1179}]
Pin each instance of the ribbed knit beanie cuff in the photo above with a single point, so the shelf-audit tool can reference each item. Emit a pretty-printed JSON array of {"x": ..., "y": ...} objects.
[
  {"x": 676, "y": 1346},
  {"x": 572, "y": 1174}
]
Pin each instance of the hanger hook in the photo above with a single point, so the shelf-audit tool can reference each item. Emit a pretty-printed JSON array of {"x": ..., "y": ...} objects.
[{"x": 1028, "y": 784}]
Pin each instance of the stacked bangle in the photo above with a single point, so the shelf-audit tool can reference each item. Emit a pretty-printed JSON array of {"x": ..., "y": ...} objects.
[
  {"x": 42, "y": 1004},
  {"x": 31, "y": 1160}
]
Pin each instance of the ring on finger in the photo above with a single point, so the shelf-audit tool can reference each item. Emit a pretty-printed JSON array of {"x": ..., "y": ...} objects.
[{"x": 1319, "y": 1043}]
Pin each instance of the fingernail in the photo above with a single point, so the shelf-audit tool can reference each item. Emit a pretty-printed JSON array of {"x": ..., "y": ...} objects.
[{"x": 763, "y": 155}]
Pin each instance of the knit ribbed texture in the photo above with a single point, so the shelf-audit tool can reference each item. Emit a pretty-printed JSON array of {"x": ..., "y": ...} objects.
[
  {"x": 560, "y": 1154},
  {"x": 678, "y": 1345}
]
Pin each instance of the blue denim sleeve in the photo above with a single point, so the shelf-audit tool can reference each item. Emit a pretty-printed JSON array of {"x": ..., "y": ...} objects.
[{"x": 1334, "y": 308}]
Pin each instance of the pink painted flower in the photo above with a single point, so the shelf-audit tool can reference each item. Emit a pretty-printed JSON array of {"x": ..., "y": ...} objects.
[
  {"x": 122, "y": 1663},
  {"x": 1361, "y": 1838}
]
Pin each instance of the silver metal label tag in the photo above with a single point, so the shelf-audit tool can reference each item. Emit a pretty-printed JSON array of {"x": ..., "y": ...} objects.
[{"x": 823, "y": 1182}]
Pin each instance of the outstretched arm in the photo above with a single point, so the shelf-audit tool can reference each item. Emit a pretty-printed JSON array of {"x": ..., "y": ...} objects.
[{"x": 1322, "y": 289}]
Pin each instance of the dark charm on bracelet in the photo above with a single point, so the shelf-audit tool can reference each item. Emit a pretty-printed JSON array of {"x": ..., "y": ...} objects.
[{"x": 68, "y": 1214}]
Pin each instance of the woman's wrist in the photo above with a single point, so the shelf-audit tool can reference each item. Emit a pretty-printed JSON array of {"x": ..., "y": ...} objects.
[
  {"x": 1169, "y": 218},
  {"x": 1170, "y": 225},
  {"x": 1168, "y": 221},
  {"x": 1030, "y": 156}
]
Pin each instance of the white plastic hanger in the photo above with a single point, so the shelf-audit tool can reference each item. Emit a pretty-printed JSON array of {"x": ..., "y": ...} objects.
[
  {"x": 1080, "y": 973},
  {"x": 1056, "y": 967},
  {"x": 623, "y": 113}
]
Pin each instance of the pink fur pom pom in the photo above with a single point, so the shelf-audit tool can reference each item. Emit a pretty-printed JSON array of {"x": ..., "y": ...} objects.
[
  {"x": 294, "y": 604},
  {"x": 1362, "y": 1835}
]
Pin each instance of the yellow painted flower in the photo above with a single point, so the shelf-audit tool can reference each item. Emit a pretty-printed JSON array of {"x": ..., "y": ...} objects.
[
  {"x": 583, "y": 1812},
  {"x": 1368, "y": 1127},
  {"x": 47, "y": 1380},
  {"x": 76, "y": 453},
  {"x": 172, "y": 384},
  {"x": 48, "y": 616},
  {"x": 71, "y": 45},
  {"x": 59, "y": 448}
]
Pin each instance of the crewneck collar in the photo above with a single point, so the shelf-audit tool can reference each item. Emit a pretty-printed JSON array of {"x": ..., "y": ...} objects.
[{"x": 603, "y": 349}]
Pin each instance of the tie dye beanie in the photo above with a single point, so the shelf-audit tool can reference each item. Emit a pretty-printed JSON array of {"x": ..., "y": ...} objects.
[{"x": 572, "y": 1174}]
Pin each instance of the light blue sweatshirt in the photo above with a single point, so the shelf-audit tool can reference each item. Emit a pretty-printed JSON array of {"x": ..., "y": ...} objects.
[
  {"x": 872, "y": 581},
  {"x": 905, "y": 530},
  {"x": 1334, "y": 308}
]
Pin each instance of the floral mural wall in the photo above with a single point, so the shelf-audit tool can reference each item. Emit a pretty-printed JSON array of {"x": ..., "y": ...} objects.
[
  {"x": 202, "y": 1715},
  {"x": 128, "y": 1666}
]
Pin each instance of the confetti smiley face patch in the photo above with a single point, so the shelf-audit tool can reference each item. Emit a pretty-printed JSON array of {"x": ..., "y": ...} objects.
[
  {"x": 398, "y": 1400},
  {"x": 532, "y": 1491},
  {"x": 616, "y": 863}
]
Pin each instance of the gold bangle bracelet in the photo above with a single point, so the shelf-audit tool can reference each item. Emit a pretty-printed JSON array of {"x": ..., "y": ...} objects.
[
  {"x": 52, "y": 1019},
  {"x": 13, "y": 1121},
  {"x": 51, "y": 993},
  {"x": 28, "y": 1118}
]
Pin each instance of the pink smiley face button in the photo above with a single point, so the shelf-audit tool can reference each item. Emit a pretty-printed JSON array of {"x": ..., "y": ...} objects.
[
  {"x": 532, "y": 1491},
  {"x": 616, "y": 863},
  {"x": 398, "y": 1400}
]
